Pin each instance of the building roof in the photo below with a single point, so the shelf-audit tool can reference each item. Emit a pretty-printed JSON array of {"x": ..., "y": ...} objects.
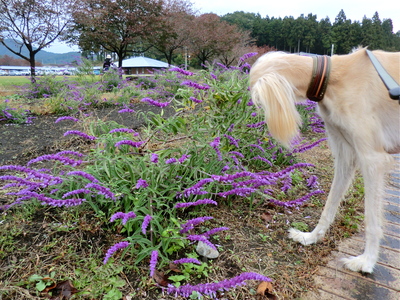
[{"x": 143, "y": 62}]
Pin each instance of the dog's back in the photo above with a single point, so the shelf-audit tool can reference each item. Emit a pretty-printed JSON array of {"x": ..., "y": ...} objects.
[{"x": 356, "y": 93}]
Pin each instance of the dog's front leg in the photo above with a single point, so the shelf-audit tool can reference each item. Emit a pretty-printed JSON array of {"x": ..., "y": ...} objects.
[
  {"x": 373, "y": 170},
  {"x": 343, "y": 176}
]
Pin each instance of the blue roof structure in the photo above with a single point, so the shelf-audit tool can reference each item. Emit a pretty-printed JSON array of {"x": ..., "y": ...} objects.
[{"x": 143, "y": 62}]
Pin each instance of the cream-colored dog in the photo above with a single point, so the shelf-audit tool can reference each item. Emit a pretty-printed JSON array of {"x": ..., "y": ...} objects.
[{"x": 362, "y": 122}]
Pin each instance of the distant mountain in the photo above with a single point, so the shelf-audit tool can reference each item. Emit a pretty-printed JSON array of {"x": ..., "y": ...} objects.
[{"x": 42, "y": 56}]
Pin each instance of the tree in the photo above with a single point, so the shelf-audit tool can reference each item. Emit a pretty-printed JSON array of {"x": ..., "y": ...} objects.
[
  {"x": 310, "y": 33},
  {"x": 232, "y": 54},
  {"x": 177, "y": 28},
  {"x": 212, "y": 37},
  {"x": 324, "y": 41},
  {"x": 243, "y": 20},
  {"x": 33, "y": 24},
  {"x": 388, "y": 36},
  {"x": 7, "y": 60},
  {"x": 260, "y": 31},
  {"x": 287, "y": 24},
  {"x": 341, "y": 34},
  {"x": 297, "y": 32},
  {"x": 116, "y": 26}
]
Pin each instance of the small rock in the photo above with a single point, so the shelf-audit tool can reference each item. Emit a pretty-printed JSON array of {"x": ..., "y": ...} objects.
[{"x": 206, "y": 251}]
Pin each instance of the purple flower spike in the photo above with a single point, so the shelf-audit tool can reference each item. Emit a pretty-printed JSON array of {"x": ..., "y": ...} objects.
[
  {"x": 187, "y": 261},
  {"x": 304, "y": 148},
  {"x": 210, "y": 289},
  {"x": 84, "y": 175},
  {"x": 195, "y": 85},
  {"x": 201, "y": 238},
  {"x": 183, "y": 158},
  {"x": 101, "y": 190},
  {"x": 81, "y": 134},
  {"x": 171, "y": 161},
  {"x": 232, "y": 140},
  {"x": 141, "y": 183},
  {"x": 248, "y": 55},
  {"x": 124, "y": 216},
  {"x": 256, "y": 125},
  {"x": 215, "y": 143},
  {"x": 68, "y": 152},
  {"x": 154, "y": 158},
  {"x": 296, "y": 202},
  {"x": 214, "y": 231},
  {"x": 66, "y": 118},
  {"x": 155, "y": 103},
  {"x": 189, "y": 225},
  {"x": 65, "y": 160},
  {"x": 153, "y": 262},
  {"x": 146, "y": 223},
  {"x": 312, "y": 182},
  {"x": 244, "y": 192},
  {"x": 195, "y": 100},
  {"x": 126, "y": 130},
  {"x": 115, "y": 248},
  {"x": 179, "y": 70},
  {"x": 130, "y": 143},
  {"x": 126, "y": 110},
  {"x": 76, "y": 192},
  {"x": 198, "y": 202}
]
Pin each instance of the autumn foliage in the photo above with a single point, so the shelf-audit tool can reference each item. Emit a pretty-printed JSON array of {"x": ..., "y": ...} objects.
[{"x": 6, "y": 60}]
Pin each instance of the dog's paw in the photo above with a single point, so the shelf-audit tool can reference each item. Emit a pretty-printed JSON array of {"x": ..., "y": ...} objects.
[
  {"x": 360, "y": 263},
  {"x": 305, "y": 238}
]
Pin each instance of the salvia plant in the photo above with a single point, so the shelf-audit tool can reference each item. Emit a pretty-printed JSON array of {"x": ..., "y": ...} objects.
[
  {"x": 11, "y": 115},
  {"x": 154, "y": 184}
]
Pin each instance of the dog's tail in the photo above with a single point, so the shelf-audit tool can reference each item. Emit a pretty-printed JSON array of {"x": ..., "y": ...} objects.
[{"x": 274, "y": 93}]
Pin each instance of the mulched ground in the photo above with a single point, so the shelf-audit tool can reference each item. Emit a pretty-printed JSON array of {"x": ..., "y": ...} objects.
[{"x": 18, "y": 142}]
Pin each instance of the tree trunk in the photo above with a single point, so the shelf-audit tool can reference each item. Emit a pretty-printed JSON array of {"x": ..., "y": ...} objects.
[{"x": 33, "y": 66}]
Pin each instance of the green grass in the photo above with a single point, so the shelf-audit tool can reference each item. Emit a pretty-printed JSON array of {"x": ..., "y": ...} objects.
[{"x": 10, "y": 82}]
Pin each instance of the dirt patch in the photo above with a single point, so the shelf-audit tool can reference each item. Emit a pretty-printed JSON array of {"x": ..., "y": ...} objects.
[{"x": 21, "y": 142}]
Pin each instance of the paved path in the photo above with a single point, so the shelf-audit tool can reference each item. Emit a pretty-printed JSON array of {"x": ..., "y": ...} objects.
[{"x": 336, "y": 283}]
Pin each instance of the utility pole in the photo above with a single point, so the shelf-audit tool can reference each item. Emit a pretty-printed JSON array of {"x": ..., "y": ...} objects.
[{"x": 186, "y": 57}]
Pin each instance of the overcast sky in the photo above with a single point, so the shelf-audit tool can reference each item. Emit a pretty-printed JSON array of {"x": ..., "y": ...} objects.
[{"x": 355, "y": 10}]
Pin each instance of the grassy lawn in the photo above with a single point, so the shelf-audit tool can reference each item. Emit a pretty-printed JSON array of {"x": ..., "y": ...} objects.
[{"x": 11, "y": 82}]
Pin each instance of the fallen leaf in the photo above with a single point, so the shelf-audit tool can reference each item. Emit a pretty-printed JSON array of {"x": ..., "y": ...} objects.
[
  {"x": 174, "y": 267},
  {"x": 63, "y": 290},
  {"x": 160, "y": 278},
  {"x": 264, "y": 287},
  {"x": 266, "y": 217}
]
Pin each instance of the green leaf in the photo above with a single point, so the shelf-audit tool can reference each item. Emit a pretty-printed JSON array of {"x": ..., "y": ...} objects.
[
  {"x": 35, "y": 277},
  {"x": 113, "y": 294},
  {"x": 40, "y": 286},
  {"x": 177, "y": 278}
]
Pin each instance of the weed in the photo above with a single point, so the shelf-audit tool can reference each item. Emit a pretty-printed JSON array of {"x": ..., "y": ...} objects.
[
  {"x": 300, "y": 226},
  {"x": 41, "y": 282}
]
